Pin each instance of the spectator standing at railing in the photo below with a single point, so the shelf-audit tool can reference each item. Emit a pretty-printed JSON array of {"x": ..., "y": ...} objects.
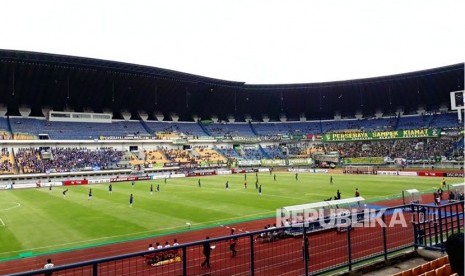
[{"x": 206, "y": 252}]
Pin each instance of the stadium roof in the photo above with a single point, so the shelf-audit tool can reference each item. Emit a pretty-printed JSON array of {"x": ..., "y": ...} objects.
[{"x": 62, "y": 82}]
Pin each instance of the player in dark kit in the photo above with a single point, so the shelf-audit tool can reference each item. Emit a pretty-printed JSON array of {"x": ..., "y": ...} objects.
[
  {"x": 331, "y": 179},
  {"x": 227, "y": 185},
  {"x": 200, "y": 184},
  {"x": 338, "y": 194},
  {"x": 158, "y": 187},
  {"x": 151, "y": 189},
  {"x": 132, "y": 183},
  {"x": 64, "y": 192},
  {"x": 260, "y": 190},
  {"x": 131, "y": 200},
  {"x": 256, "y": 184},
  {"x": 90, "y": 194},
  {"x": 245, "y": 184},
  {"x": 110, "y": 188},
  {"x": 296, "y": 176},
  {"x": 274, "y": 177}
]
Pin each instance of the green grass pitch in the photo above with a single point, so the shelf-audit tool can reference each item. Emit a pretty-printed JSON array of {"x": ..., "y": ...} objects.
[{"x": 41, "y": 221}]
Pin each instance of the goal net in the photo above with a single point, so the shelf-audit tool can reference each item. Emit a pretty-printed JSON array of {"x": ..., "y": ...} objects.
[{"x": 359, "y": 170}]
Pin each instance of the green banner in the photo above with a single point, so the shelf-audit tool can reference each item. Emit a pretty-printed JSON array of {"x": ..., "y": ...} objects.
[
  {"x": 382, "y": 135},
  {"x": 300, "y": 161},
  {"x": 363, "y": 160},
  {"x": 273, "y": 162}
]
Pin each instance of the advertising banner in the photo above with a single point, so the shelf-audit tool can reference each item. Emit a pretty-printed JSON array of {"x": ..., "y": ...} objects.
[
  {"x": 381, "y": 135},
  {"x": 363, "y": 160},
  {"x": 454, "y": 174},
  {"x": 248, "y": 162},
  {"x": 273, "y": 162},
  {"x": 432, "y": 173},
  {"x": 300, "y": 161},
  {"x": 75, "y": 182}
]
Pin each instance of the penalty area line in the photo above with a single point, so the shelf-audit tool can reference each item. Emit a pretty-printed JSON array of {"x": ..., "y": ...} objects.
[{"x": 2, "y": 223}]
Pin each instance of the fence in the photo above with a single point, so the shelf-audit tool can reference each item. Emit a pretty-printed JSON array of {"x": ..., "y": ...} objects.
[{"x": 314, "y": 251}]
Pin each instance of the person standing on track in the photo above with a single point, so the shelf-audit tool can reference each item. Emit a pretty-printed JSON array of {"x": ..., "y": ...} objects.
[
  {"x": 49, "y": 264},
  {"x": 232, "y": 246},
  {"x": 206, "y": 252}
]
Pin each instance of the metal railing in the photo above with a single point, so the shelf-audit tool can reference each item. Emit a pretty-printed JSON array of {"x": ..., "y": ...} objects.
[{"x": 315, "y": 251}]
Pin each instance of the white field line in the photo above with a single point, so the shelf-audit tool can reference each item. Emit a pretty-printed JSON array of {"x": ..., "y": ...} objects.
[
  {"x": 134, "y": 235},
  {"x": 1, "y": 221},
  {"x": 13, "y": 207}
]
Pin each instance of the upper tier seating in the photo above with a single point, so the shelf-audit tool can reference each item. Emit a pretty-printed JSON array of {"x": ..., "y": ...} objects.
[
  {"x": 230, "y": 129},
  {"x": 187, "y": 128},
  {"x": 287, "y": 128}
]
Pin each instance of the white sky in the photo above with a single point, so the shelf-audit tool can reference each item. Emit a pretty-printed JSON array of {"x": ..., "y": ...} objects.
[{"x": 265, "y": 41}]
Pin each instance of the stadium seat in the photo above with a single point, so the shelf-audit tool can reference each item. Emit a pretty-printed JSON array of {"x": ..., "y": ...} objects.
[
  {"x": 443, "y": 260},
  {"x": 407, "y": 273},
  {"x": 417, "y": 270},
  {"x": 426, "y": 267},
  {"x": 430, "y": 273}
]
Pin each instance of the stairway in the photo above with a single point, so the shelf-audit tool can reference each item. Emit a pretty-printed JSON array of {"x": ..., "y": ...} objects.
[
  {"x": 204, "y": 128},
  {"x": 254, "y": 131},
  {"x": 146, "y": 127}
]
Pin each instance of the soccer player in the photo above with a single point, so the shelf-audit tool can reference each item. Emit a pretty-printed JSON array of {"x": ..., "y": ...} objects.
[
  {"x": 256, "y": 184},
  {"x": 331, "y": 179},
  {"x": 64, "y": 192},
  {"x": 245, "y": 184},
  {"x": 274, "y": 177},
  {"x": 110, "y": 188},
  {"x": 338, "y": 194},
  {"x": 158, "y": 188},
  {"x": 260, "y": 190},
  {"x": 151, "y": 189},
  {"x": 443, "y": 182},
  {"x": 227, "y": 185},
  {"x": 200, "y": 185},
  {"x": 296, "y": 176},
  {"x": 131, "y": 200},
  {"x": 165, "y": 179},
  {"x": 132, "y": 183},
  {"x": 50, "y": 188},
  {"x": 90, "y": 194}
]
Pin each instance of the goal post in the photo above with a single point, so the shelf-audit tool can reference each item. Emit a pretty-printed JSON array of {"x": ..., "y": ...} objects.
[{"x": 361, "y": 169}]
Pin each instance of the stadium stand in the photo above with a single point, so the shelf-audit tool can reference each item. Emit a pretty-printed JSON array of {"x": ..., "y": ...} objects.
[
  {"x": 436, "y": 267},
  {"x": 414, "y": 122},
  {"x": 230, "y": 129},
  {"x": 30, "y": 160},
  {"x": 6, "y": 162}
]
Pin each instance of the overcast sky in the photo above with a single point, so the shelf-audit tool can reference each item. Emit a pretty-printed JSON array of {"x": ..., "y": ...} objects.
[{"x": 265, "y": 41}]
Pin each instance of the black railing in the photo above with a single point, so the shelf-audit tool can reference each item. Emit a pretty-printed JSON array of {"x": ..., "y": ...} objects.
[{"x": 273, "y": 252}]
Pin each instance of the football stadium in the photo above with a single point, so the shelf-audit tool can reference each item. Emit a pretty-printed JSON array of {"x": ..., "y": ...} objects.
[
  {"x": 232, "y": 138},
  {"x": 120, "y": 169}
]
